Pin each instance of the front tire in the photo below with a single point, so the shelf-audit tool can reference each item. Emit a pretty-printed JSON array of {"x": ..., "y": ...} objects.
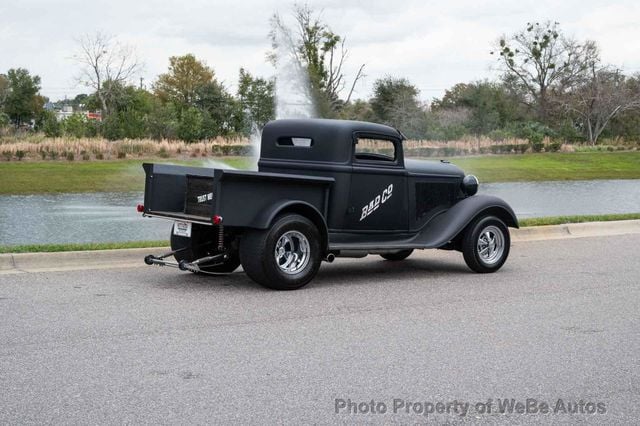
[
  {"x": 485, "y": 245},
  {"x": 285, "y": 257}
]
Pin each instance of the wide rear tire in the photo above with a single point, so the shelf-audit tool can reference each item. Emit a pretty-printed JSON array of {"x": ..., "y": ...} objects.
[
  {"x": 485, "y": 245},
  {"x": 203, "y": 239},
  {"x": 285, "y": 257}
]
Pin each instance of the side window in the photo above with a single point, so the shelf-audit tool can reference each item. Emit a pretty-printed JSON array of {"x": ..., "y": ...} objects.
[{"x": 373, "y": 149}]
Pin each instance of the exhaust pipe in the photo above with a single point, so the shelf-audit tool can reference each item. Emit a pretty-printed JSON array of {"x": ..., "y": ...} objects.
[{"x": 330, "y": 258}]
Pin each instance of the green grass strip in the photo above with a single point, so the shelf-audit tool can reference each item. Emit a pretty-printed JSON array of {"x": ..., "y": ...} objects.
[
  {"x": 559, "y": 220},
  {"x": 46, "y": 248}
]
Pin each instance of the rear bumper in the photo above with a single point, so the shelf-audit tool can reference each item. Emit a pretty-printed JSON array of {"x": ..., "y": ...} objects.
[{"x": 179, "y": 216}]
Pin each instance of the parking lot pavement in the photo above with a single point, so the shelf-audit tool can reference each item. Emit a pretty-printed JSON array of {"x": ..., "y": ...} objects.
[{"x": 560, "y": 321}]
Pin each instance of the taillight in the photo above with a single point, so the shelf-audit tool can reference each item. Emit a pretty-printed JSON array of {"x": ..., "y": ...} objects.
[
  {"x": 140, "y": 208},
  {"x": 217, "y": 220}
]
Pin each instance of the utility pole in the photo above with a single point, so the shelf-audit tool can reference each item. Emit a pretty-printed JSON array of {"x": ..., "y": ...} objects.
[{"x": 141, "y": 85}]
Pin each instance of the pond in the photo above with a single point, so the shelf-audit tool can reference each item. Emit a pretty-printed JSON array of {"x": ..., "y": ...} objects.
[{"x": 105, "y": 217}]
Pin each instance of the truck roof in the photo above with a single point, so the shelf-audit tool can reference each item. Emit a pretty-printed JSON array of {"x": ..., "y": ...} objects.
[{"x": 330, "y": 140}]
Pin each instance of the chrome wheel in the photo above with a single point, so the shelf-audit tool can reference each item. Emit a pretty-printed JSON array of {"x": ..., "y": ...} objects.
[
  {"x": 292, "y": 252},
  {"x": 490, "y": 245}
]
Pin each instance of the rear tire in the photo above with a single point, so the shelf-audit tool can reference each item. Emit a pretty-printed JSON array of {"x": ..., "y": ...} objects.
[
  {"x": 399, "y": 255},
  {"x": 202, "y": 242},
  {"x": 285, "y": 257},
  {"x": 485, "y": 245}
]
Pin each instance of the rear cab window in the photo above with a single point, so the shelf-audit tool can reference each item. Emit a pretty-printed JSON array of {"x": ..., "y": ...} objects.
[{"x": 375, "y": 149}]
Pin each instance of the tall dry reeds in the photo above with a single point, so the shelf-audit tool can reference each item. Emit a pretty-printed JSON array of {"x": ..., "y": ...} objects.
[
  {"x": 96, "y": 148},
  {"x": 38, "y": 147}
]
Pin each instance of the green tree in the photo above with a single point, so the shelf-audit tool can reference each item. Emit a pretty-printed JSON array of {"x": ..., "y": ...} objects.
[
  {"x": 490, "y": 105},
  {"x": 75, "y": 125},
  {"x": 359, "y": 110},
  {"x": 4, "y": 90},
  {"x": 162, "y": 121},
  {"x": 180, "y": 85},
  {"x": 4, "y": 120},
  {"x": 221, "y": 112},
  {"x": 395, "y": 102},
  {"x": 112, "y": 127},
  {"x": 22, "y": 102},
  {"x": 256, "y": 97},
  {"x": 190, "y": 125}
]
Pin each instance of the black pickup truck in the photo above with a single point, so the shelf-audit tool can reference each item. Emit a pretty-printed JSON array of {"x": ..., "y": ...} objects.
[{"x": 323, "y": 189}]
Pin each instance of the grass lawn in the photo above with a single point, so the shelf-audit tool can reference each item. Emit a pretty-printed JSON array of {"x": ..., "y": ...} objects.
[
  {"x": 553, "y": 166},
  {"x": 36, "y": 177},
  {"x": 32, "y": 177}
]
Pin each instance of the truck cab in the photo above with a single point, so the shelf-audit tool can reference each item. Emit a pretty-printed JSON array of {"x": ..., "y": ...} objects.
[{"x": 348, "y": 188}]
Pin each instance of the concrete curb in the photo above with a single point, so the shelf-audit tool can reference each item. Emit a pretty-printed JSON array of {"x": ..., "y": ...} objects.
[
  {"x": 125, "y": 258},
  {"x": 74, "y": 260},
  {"x": 575, "y": 230}
]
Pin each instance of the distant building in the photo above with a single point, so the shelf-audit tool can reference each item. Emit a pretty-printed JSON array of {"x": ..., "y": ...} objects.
[
  {"x": 67, "y": 111},
  {"x": 94, "y": 115}
]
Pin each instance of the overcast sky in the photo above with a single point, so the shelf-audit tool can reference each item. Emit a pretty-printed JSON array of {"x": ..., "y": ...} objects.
[{"x": 433, "y": 44}]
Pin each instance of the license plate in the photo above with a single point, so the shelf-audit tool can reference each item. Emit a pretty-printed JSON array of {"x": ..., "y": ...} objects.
[{"x": 182, "y": 229}]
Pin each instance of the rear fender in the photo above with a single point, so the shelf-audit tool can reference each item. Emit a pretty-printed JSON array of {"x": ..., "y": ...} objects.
[
  {"x": 448, "y": 225},
  {"x": 266, "y": 218}
]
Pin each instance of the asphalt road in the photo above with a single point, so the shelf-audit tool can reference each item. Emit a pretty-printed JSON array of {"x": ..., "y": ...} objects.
[{"x": 561, "y": 320}]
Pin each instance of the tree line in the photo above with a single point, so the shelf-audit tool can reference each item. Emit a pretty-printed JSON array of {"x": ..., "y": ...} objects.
[{"x": 549, "y": 85}]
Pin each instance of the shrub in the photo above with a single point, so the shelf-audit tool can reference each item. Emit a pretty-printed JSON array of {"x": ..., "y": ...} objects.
[
  {"x": 537, "y": 146},
  {"x": 122, "y": 154},
  {"x": 4, "y": 120},
  {"x": 86, "y": 157},
  {"x": 162, "y": 152},
  {"x": 99, "y": 156},
  {"x": 69, "y": 156},
  {"x": 112, "y": 128},
  {"x": 7, "y": 155},
  {"x": 75, "y": 125},
  {"x": 534, "y": 132},
  {"x": 500, "y": 135},
  {"x": 554, "y": 147},
  {"x": 20, "y": 154},
  {"x": 50, "y": 125}
]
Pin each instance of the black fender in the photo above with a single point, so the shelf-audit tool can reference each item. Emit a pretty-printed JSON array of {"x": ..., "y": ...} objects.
[
  {"x": 265, "y": 219},
  {"x": 446, "y": 226}
]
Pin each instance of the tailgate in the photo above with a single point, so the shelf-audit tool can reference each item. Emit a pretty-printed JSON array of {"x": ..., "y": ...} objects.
[{"x": 179, "y": 192}]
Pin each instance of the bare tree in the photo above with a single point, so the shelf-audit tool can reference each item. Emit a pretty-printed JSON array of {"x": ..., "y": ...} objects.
[
  {"x": 106, "y": 65},
  {"x": 541, "y": 59},
  {"x": 604, "y": 96},
  {"x": 324, "y": 53}
]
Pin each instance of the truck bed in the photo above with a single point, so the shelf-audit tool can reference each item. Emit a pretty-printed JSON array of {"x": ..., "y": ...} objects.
[{"x": 197, "y": 194}]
